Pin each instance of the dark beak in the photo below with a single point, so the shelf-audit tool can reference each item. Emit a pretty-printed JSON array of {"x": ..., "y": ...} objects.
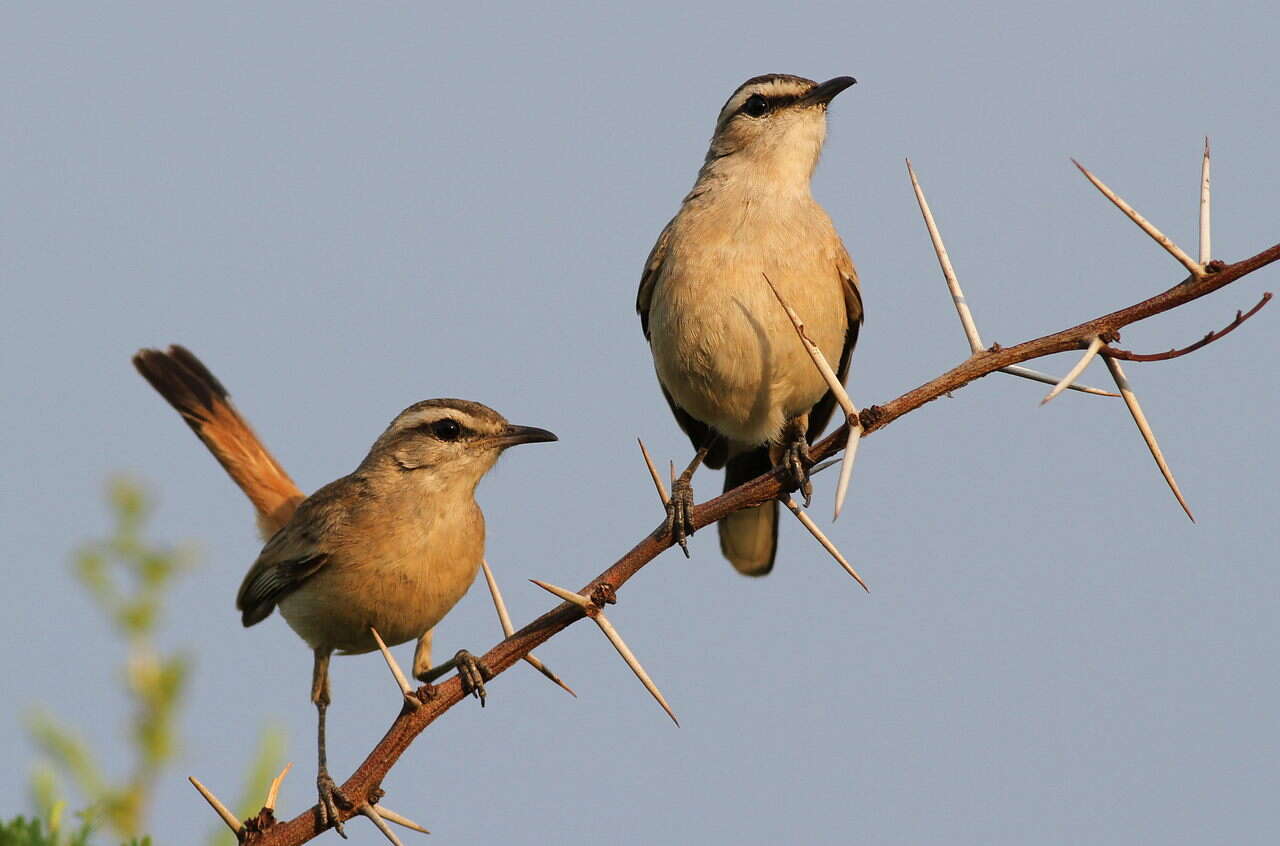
[
  {"x": 821, "y": 95},
  {"x": 524, "y": 435}
]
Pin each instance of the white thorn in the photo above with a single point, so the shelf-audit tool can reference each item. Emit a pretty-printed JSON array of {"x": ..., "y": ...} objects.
[
  {"x": 222, "y": 811},
  {"x": 567, "y": 595},
  {"x": 1205, "y": 245},
  {"x": 822, "y": 539},
  {"x": 1131, "y": 400},
  {"x": 1094, "y": 346},
  {"x": 393, "y": 666},
  {"x": 653, "y": 472},
  {"x": 391, "y": 816},
  {"x": 846, "y": 467},
  {"x": 627, "y": 655},
  {"x": 953, "y": 284},
  {"x": 819, "y": 360},
  {"x": 1159, "y": 237},
  {"x": 837, "y": 390},
  {"x": 503, "y": 617},
  {"x": 508, "y": 629},
  {"x": 274, "y": 792},
  {"x": 369, "y": 811},
  {"x": 1037, "y": 376}
]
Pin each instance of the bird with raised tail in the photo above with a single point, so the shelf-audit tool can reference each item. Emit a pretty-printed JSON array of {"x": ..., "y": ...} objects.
[
  {"x": 392, "y": 546},
  {"x": 730, "y": 365}
]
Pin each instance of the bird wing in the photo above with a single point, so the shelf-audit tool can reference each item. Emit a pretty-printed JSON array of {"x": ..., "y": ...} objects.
[
  {"x": 295, "y": 553},
  {"x": 700, "y": 434},
  {"x": 821, "y": 413}
]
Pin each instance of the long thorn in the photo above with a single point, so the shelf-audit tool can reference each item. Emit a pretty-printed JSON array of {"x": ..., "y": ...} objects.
[
  {"x": 507, "y": 629},
  {"x": 653, "y": 473},
  {"x": 632, "y": 662},
  {"x": 274, "y": 792},
  {"x": 837, "y": 390},
  {"x": 567, "y": 595},
  {"x": 222, "y": 811},
  {"x": 369, "y": 811},
  {"x": 391, "y": 816},
  {"x": 1131, "y": 400},
  {"x": 1159, "y": 237},
  {"x": 948, "y": 272},
  {"x": 393, "y": 666},
  {"x": 1205, "y": 245},
  {"x": 830, "y": 547},
  {"x": 846, "y": 467},
  {"x": 1037, "y": 376},
  {"x": 1094, "y": 346}
]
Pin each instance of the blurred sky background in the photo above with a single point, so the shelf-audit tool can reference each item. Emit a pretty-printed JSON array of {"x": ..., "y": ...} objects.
[{"x": 346, "y": 208}]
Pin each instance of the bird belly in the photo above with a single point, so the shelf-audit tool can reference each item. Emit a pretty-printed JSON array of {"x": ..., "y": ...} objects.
[
  {"x": 401, "y": 592},
  {"x": 727, "y": 353}
]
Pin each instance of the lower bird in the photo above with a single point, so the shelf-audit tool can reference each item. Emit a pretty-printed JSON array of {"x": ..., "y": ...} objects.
[
  {"x": 737, "y": 378},
  {"x": 392, "y": 546}
]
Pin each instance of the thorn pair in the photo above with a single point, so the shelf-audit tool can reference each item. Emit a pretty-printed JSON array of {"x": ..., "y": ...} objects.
[
  {"x": 593, "y": 609},
  {"x": 962, "y": 307},
  {"x": 795, "y": 509},
  {"x": 376, "y": 813}
]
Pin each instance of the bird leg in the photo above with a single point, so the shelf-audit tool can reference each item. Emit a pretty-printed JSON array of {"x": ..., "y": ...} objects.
[
  {"x": 471, "y": 670},
  {"x": 792, "y": 455},
  {"x": 680, "y": 506},
  {"x": 330, "y": 796}
]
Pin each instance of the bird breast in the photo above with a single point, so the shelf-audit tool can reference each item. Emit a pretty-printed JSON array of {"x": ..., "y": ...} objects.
[
  {"x": 401, "y": 578},
  {"x": 723, "y": 347}
]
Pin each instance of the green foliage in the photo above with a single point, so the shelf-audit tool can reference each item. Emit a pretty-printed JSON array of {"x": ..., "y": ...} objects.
[
  {"x": 129, "y": 579},
  {"x": 20, "y": 831}
]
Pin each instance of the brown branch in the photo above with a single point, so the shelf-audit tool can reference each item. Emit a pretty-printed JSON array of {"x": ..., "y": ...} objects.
[
  {"x": 1203, "y": 342},
  {"x": 364, "y": 785}
]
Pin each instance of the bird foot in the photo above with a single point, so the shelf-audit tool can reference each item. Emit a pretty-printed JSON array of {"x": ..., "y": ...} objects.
[
  {"x": 679, "y": 523},
  {"x": 330, "y": 800},
  {"x": 473, "y": 673},
  {"x": 796, "y": 462}
]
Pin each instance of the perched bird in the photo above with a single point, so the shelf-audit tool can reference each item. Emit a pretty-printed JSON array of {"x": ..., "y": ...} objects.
[
  {"x": 392, "y": 546},
  {"x": 737, "y": 378}
]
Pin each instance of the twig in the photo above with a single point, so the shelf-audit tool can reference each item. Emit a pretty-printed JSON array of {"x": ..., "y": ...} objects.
[{"x": 1203, "y": 342}]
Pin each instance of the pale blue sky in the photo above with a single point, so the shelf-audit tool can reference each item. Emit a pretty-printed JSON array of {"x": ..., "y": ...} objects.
[{"x": 344, "y": 209}]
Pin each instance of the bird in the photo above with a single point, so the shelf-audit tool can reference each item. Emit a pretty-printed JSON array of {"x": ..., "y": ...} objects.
[
  {"x": 392, "y": 546},
  {"x": 728, "y": 361}
]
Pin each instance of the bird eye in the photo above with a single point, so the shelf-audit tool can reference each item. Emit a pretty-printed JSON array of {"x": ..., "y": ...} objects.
[
  {"x": 446, "y": 429},
  {"x": 756, "y": 106}
]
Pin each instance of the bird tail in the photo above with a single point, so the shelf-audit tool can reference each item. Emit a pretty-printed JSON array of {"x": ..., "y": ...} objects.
[
  {"x": 749, "y": 538},
  {"x": 199, "y": 397}
]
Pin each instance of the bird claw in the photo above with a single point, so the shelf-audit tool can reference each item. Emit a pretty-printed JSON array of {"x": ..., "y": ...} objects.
[
  {"x": 330, "y": 799},
  {"x": 796, "y": 462},
  {"x": 679, "y": 523},
  {"x": 473, "y": 673}
]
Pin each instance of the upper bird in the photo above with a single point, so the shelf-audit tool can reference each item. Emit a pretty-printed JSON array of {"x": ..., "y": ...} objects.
[{"x": 731, "y": 367}]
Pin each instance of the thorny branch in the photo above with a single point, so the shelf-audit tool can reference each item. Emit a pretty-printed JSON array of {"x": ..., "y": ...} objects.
[{"x": 364, "y": 784}]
